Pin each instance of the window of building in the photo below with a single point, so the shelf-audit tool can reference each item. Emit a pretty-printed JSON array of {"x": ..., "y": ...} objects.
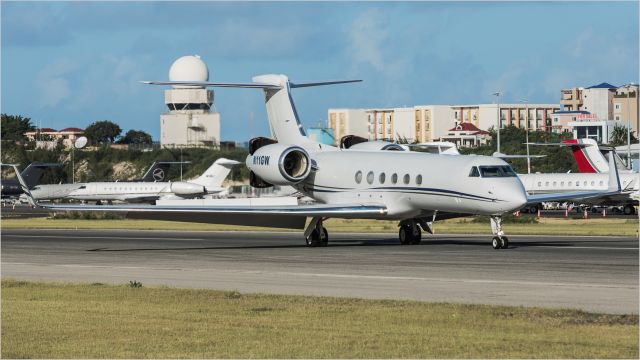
[
  {"x": 358, "y": 177},
  {"x": 419, "y": 180},
  {"x": 394, "y": 178},
  {"x": 617, "y": 106},
  {"x": 370, "y": 177},
  {"x": 382, "y": 178},
  {"x": 406, "y": 178}
]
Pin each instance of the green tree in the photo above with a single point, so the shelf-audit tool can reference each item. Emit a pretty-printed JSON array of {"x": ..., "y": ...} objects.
[
  {"x": 102, "y": 132},
  {"x": 619, "y": 136},
  {"x": 14, "y": 127},
  {"x": 136, "y": 137}
]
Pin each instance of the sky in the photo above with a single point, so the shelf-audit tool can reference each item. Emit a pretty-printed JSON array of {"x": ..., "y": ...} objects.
[{"x": 69, "y": 64}]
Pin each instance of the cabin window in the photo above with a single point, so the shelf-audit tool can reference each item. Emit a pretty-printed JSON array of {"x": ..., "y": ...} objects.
[
  {"x": 539, "y": 183},
  {"x": 394, "y": 178},
  {"x": 577, "y": 183},
  {"x": 569, "y": 184},
  {"x": 381, "y": 178},
  {"x": 546, "y": 183},
  {"x": 601, "y": 182},
  {"x": 561, "y": 183},
  {"x": 359, "y": 177},
  {"x": 474, "y": 172},
  {"x": 555, "y": 183},
  {"x": 370, "y": 177},
  {"x": 584, "y": 183},
  {"x": 406, "y": 178},
  {"x": 593, "y": 183},
  {"x": 419, "y": 180}
]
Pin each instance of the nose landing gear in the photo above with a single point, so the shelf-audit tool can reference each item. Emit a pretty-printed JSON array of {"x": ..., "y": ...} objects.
[{"x": 499, "y": 241}]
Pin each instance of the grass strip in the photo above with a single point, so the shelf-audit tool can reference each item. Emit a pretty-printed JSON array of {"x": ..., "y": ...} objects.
[
  {"x": 62, "y": 320},
  {"x": 545, "y": 226}
]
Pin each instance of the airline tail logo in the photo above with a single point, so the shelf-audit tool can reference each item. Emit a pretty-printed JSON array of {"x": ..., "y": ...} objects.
[{"x": 261, "y": 160}]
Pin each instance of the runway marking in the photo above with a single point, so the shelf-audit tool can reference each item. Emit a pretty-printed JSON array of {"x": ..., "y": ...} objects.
[
  {"x": 341, "y": 276},
  {"x": 104, "y": 237},
  {"x": 204, "y": 239}
]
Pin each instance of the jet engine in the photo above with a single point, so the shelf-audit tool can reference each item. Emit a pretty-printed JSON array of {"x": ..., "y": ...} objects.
[
  {"x": 182, "y": 188},
  {"x": 278, "y": 164},
  {"x": 355, "y": 142}
]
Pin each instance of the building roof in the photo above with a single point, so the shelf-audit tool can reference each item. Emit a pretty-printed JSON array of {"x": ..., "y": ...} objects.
[
  {"x": 72, "y": 129},
  {"x": 571, "y": 112},
  {"x": 603, "y": 85},
  {"x": 46, "y": 130},
  {"x": 465, "y": 126}
]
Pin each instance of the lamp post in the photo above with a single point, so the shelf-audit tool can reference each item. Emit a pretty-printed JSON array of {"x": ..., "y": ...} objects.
[
  {"x": 497, "y": 95},
  {"x": 628, "y": 87},
  {"x": 526, "y": 129}
]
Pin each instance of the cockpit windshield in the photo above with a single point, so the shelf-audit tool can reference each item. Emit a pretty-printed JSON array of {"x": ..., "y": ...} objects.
[{"x": 497, "y": 171}]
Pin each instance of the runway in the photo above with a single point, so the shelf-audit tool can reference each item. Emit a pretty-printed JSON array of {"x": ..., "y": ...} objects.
[{"x": 597, "y": 274}]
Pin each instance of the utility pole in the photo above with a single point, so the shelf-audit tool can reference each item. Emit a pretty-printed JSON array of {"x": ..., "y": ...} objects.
[
  {"x": 526, "y": 129},
  {"x": 497, "y": 95}
]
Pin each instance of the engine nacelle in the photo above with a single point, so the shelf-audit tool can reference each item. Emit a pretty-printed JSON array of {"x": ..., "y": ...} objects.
[
  {"x": 187, "y": 189},
  {"x": 279, "y": 164},
  {"x": 377, "y": 145}
]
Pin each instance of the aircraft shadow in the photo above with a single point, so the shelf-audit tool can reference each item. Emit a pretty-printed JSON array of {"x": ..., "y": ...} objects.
[{"x": 349, "y": 243}]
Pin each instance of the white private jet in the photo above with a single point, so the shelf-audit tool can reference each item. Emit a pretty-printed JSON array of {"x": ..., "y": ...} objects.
[
  {"x": 210, "y": 182},
  {"x": 414, "y": 188}
]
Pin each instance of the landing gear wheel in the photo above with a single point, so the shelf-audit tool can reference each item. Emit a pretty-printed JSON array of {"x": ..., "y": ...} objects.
[
  {"x": 505, "y": 242},
  {"x": 324, "y": 237},
  {"x": 416, "y": 236},
  {"x": 405, "y": 235},
  {"x": 314, "y": 239},
  {"x": 628, "y": 209},
  {"x": 496, "y": 243}
]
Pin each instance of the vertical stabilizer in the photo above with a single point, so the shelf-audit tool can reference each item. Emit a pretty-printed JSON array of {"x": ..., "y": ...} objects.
[
  {"x": 214, "y": 176},
  {"x": 283, "y": 118},
  {"x": 588, "y": 156}
]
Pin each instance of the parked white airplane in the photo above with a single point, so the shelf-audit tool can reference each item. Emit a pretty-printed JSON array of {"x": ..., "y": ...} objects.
[
  {"x": 412, "y": 187},
  {"x": 210, "y": 182}
]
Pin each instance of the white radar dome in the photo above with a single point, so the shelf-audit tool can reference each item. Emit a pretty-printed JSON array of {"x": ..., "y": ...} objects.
[{"x": 188, "y": 68}]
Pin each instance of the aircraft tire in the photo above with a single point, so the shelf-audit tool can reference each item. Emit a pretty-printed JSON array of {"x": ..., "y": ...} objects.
[
  {"x": 314, "y": 239},
  {"x": 324, "y": 237},
  {"x": 628, "y": 209},
  {"x": 416, "y": 237},
  {"x": 496, "y": 243},
  {"x": 504, "y": 242},
  {"x": 404, "y": 234}
]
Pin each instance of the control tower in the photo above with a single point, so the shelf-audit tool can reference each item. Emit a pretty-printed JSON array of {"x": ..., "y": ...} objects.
[{"x": 190, "y": 120}]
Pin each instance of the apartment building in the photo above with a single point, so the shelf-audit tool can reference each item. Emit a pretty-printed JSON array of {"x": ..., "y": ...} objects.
[
  {"x": 625, "y": 106},
  {"x": 348, "y": 122},
  {"x": 523, "y": 115}
]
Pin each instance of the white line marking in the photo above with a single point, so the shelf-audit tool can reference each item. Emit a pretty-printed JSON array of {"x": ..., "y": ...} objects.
[{"x": 338, "y": 276}]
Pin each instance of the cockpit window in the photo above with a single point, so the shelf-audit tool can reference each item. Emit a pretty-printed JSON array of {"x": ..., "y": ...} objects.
[
  {"x": 497, "y": 171},
  {"x": 474, "y": 172}
]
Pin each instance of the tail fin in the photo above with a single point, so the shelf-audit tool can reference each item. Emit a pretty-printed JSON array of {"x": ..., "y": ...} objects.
[
  {"x": 283, "y": 118},
  {"x": 215, "y": 174},
  {"x": 33, "y": 173},
  {"x": 588, "y": 156}
]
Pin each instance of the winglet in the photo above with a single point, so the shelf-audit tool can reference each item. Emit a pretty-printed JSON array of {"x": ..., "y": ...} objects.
[
  {"x": 24, "y": 187},
  {"x": 614, "y": 176}
]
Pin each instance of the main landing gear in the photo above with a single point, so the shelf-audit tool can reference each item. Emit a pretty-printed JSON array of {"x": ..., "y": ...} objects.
[
  {"x": 316, "y": 235},
  {"x": 410, "y": 234},
  {"x": 499, "y": 241}
]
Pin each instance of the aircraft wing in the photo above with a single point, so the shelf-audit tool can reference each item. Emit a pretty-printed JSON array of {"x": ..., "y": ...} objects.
[{"x": 280, "y": 216}]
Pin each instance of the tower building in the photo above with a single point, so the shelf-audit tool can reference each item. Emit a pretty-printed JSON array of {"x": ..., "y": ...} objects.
[{"x": 190, "y": 120}]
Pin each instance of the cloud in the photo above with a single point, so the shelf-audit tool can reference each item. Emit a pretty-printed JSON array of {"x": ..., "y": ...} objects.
[
  {"x": 53, "y": 82},
  {"x": 367, "y": 36}
]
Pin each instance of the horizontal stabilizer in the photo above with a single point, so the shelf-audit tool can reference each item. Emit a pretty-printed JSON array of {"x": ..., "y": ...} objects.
[
  {"x": 309, "y": 84},
  {"x": 252, "y": 85}
]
